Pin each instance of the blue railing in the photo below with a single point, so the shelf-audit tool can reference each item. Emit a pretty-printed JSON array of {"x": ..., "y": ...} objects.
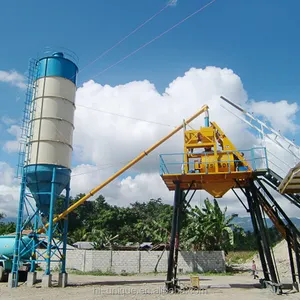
[{"x": 173, "y": 163}]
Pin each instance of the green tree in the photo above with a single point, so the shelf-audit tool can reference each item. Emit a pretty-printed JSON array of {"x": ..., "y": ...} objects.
[
  {"x": 209, "y": 228},
  {"x": 6, "y": 228}
]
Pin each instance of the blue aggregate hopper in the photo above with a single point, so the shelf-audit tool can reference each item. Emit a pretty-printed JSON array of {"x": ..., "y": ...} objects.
[{"x": 39, "y": 181}]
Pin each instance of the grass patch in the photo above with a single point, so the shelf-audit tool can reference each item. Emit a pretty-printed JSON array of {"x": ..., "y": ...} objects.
[
  {"x": 211, "y": 274},
  {"x": 99, "y": 273},
  {"x": 93, "y": 273},
  {"x": 239, "y": 257}
]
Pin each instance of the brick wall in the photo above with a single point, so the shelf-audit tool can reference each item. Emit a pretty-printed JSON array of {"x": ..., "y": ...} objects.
[{"x": 143, "y": 261}]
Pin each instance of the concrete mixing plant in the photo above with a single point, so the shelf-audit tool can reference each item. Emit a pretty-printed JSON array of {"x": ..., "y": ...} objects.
[
  {"x": 45, "y": 165},
  {"x": 210, "y": 162}
]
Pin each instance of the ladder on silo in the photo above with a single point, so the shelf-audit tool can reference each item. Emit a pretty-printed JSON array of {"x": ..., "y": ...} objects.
[{"x": 26, "y": 128}]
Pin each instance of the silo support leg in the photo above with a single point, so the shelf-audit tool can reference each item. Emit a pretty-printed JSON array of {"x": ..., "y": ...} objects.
[
  {"x": 13, "y": 277},
  {"x": 47, "y": 277},
  {"x": 63, "y": 275},
  {"x": 31, "y": 276}
]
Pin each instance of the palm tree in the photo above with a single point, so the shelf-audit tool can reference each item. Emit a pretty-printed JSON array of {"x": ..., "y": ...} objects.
[
  {"x": 209, "y": 228},
  {"x": 78, "y": 235},
  {"x": 100, "y": 239}
]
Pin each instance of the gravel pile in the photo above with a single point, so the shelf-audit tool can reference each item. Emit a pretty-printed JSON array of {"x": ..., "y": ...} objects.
[{"x": 282, "y": 262}]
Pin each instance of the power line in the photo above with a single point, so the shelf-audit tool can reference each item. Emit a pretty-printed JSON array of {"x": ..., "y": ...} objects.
[
  {"x": 154, "y": 39},
  {"x": 128, "y": 35},
  {"x": 124, "y": 116}
]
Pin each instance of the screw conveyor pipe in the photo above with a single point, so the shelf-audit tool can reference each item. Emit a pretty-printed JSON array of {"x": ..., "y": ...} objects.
[{"x": 125, "y": 168}]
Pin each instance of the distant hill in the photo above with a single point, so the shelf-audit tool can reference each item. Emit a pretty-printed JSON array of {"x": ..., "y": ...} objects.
[
  {"x": 246, "y": 223},
  {"x": 8, "y": 220}
]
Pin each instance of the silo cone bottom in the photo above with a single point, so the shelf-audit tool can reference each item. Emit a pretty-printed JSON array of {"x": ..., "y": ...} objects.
[
  {"x": 47, "y": 280},
  {"x": 31, "y": 279},
  {"x": 39, "y": 181},
  {"x": 62, "y": 280}
]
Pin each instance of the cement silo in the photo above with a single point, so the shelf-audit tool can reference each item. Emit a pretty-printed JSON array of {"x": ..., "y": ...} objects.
[
  {"x": 50, "y": 143},
  {"x": 48, "y": 133}
]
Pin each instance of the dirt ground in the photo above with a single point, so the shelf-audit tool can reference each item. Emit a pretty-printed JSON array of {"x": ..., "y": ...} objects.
[{"x": 143, "y": 287}]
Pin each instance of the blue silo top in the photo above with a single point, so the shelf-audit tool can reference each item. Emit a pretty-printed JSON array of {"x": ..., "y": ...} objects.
[{"x": 57, "y": 65}]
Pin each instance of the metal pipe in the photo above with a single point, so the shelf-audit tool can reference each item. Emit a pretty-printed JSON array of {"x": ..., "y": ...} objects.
[
  {"x": 125, "y": 168},
  {"x": 206, "y": 119}
]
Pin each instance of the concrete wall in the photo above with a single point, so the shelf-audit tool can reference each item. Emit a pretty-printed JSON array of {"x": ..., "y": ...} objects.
[{"x": 143, "y": 261}]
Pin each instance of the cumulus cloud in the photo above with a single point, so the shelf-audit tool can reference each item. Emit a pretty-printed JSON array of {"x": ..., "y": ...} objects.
[
  {"x": 7, "y": 120},
  {"x": 113, "y": 140},
  {"x": 104, "y": 141},
  {"x": 269, "y": 110},
  {"x": 14, "y": 78},
  {"x": 9, "y": 190},
  {"x": 12, "y": 146}
]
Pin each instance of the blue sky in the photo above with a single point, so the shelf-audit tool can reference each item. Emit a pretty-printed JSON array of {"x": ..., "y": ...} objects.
[{"x": 258, "y": 40}]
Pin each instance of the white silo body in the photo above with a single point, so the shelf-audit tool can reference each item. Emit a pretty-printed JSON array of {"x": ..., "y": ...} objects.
[
  {"x": 49, "y": 144},
  {"x": 53, "y": 115}
]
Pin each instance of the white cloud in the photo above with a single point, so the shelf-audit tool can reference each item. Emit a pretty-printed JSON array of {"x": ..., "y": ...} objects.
[
  {"x": 283, "y": 122},
  {"x": 12, "y": 146},
  {"x": 14, "y": 78},
  {"x": 9, "y": 190},
  {"x": 104, "y": 142},
  {"x": 7, "y": 120},
  {"x": 113, "y": 139}
]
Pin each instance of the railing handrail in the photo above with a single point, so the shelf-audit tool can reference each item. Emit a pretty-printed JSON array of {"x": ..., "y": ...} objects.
[
  {"x": 203, "y": 153},
  {"x": 251, "y": 159}
]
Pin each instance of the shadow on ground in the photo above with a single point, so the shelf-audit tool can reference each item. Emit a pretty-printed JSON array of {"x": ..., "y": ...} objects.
[{"x": 123, "y": 282}]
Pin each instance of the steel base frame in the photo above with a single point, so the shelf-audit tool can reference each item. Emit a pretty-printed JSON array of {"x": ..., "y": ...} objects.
[
  {"x": 33, "y": 248},
  {"x": 258, "y": 197}
]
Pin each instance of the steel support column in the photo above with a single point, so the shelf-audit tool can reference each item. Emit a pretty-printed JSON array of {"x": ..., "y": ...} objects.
[
  {"x": 33, "y": 254},
  {"x": 169, "y": 282},
  {"x": 16, "y": 258},
  {"x": 177, "y": 240},
  {"x": 297, "y": 254},
  {"x": 65, "y": 230},
  {"x": 50, "y": 227},
  {"x": 289, "y": 242},
  {"x": 258, "y": 236},
  {"x": 278, "y": 207},
  {"x": 266, "y": 244}
]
